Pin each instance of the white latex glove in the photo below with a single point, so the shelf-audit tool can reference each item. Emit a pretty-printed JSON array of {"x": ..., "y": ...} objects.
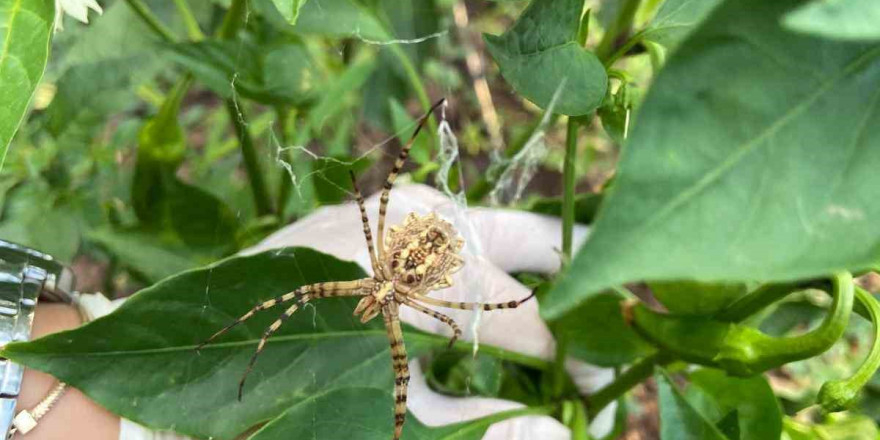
[{"x": 497, "y": 241}]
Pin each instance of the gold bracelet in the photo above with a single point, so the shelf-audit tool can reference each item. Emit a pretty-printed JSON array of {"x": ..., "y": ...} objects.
[{"x": 26, "y": 420}]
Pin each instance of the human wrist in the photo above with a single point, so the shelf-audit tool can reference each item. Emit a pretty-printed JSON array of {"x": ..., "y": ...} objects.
[{"x": 73, "y": 416}]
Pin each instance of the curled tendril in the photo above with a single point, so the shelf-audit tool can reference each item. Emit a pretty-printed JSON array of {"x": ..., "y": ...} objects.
[{"x": 838, "y": 395}]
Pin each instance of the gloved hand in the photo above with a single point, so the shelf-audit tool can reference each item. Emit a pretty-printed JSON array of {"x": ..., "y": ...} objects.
[{"x": 497, "y": 241}]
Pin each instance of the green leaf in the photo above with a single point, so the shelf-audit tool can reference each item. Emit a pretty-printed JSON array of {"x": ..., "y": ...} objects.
[
  {"x": 334, "y": 97},
  {"x": 199, "y": 218},
  {"x": 751, "y": 400},
  {"x": 25, "y": 31},
  {"x": 678, "y": 419},
  {"x": 341, "y": 412},
  {"x": 340, "y": 18},
  {"x": 585, "y": 207},
  {"x": 402, "y": 124},
  {"x": 278, "y": 73},
  {"x": 289, "y": 9},
  {"x": 676, "y": 19},
  {"x": 144, "y": 253},
  {"x": 540, "y": 54},
  {"x": 88, "y": 93},
  {"x": 741, "y": 166},
  {"x": 35, "y": 217},
  {"x": 598, "y": 334},
  {"x": 692, "y": 298},
  {"x": 161, "y": 149},
  {"x": 837, "y": 19},
  {"x": 331, "y": 179},
  {"x": 463, "y": 374},
  {"x": 140, "y": 361}
]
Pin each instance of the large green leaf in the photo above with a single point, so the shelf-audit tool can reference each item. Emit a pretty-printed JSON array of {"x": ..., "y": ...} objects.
[
  {"x": 25, "y": 30},
  {"x": 341, "y": 412},
  {"x": 748, "y": 402},
  {"x": 140, "y": 361},
  {"x": 678, "y": 419},
  {"x": 540, "y": 53},
  {"x": 754, "y": 157},
  {"x": 839, "y": 19}
]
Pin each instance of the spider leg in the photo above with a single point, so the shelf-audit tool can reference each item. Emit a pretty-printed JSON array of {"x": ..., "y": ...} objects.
[
  {"x": 456, "y": 331},
  {"x": 334, "y": 288},
  {"x": 322, "y": 290},
  {"x": 470, "y": 305},
  {"x": 364, "y": 219},
  {"x": 399, "y": 363},
  {"x": 389, "y": 181}
]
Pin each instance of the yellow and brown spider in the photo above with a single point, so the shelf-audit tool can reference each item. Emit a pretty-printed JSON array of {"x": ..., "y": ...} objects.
[{"x": 419, "y": 256}]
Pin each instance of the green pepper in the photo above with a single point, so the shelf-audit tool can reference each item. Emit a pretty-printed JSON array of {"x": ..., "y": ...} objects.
[
  {"x": 839, "y": 395},
  {"x": 738, "y": 349}
]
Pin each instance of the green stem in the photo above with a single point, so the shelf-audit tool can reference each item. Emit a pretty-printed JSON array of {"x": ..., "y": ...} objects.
[
  {"x": 757, "y": 300},
  {"x": 507, "y": 355},
  {"x": 620, "y": 27},
  {"x": 740, "y": 310},
  {"x": 189, "y": 20},
  {"x": 635, "y": 375},
  {"x": 544, "y": 410},
  {"x": 838, "y": 395},
  {"x": 624, "y": 48},
  {"x": 568, "y": 188},
  {"x": 142, "y": 10},
  {"x": 283, "y": 114},
  {"x": 233, "y": 20},
  {"x": 251, "y": 162}
]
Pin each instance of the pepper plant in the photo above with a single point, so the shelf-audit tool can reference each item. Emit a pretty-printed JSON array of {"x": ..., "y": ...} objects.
[{"x": 724, "y": 153}]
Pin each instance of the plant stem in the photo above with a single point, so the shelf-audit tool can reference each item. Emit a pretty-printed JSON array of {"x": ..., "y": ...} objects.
[
  {"x": 189, "y": 20},
  {"x": 637, "y": 373},
  {"x": 568, "y": 187},
  {"x": 141, "y": 9},
  {"x": 619, "y": 28},
  {"x": 233, "y": 20},
  {"x": 251, "y": 163},
  {"x": 543, "y": 410},
  {"x": 283, "y": 114}
]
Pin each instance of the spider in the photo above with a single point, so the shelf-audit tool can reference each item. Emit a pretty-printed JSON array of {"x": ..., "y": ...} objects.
[{"x": 418, "y": 256}]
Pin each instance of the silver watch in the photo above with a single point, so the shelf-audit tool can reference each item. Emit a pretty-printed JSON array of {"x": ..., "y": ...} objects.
[{"x": 26, "y": 276}]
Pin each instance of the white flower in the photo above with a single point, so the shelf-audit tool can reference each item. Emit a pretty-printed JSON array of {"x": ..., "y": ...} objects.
[{"x": 78, "y": 9}]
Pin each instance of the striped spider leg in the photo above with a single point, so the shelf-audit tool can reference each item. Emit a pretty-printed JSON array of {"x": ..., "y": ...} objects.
[{"x": 417, "y": 257}]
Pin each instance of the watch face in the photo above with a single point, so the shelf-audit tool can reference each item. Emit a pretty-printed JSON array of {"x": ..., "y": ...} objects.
[{"x": 58, "y": 280}]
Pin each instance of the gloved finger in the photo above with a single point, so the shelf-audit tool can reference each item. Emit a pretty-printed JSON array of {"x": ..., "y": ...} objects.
[{"x": 434, "y": 409}]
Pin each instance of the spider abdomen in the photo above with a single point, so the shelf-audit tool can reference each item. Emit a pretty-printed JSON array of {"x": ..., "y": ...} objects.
[{"x": 423, "y": 252}]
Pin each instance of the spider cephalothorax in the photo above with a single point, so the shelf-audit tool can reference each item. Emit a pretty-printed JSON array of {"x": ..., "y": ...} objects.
[{"x": 418, "y": 257}]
